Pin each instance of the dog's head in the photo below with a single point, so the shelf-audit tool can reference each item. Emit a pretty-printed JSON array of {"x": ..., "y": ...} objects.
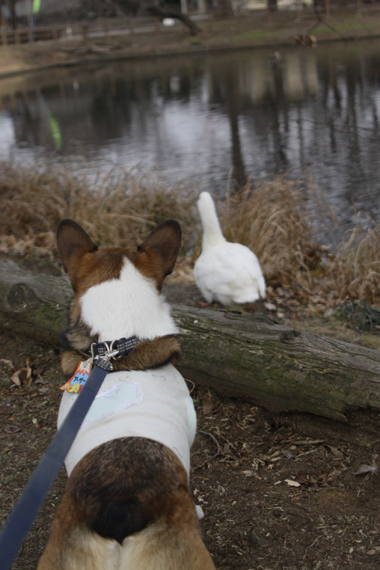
[
  {"x": 87, "y": 265},
  {"x": 117, "y": 291}
]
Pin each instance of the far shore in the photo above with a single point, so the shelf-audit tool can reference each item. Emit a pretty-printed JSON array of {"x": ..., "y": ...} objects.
[{"x": 245, "y": 31}]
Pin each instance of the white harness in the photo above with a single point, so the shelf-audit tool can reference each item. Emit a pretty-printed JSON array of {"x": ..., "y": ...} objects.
[{"x": 155, "y": 404}]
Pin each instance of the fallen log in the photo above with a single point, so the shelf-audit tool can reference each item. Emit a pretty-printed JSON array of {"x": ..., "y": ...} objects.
[
  {"x": 281, "y": 369},
  {"x": 33, "y": 305}
]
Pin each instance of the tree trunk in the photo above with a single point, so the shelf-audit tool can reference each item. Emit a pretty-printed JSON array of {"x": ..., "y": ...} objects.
[
  {"x": 12, "y": 8},
  {"x": 281, "y": 369}
]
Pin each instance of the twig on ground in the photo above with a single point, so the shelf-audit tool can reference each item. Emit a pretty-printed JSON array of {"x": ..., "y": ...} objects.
[
  {"x": 212, "y": 456},
  {"x": 213, "y": 439}
]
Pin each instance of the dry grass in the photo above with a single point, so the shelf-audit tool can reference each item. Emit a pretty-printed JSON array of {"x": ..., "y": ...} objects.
[
  {"x": 272, "y": 219},
  {"x": 280, "y": 220},
  {"x": 118, "y": 209},
  {"x": 355, "y": 271},
  {"x": 276, "y": 219}
]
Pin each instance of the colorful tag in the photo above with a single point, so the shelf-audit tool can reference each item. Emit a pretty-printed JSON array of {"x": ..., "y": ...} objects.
[{"x": 81, "y": 375}]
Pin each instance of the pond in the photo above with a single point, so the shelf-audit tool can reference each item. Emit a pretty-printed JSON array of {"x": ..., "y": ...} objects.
[{"x": 211, "y": 118}]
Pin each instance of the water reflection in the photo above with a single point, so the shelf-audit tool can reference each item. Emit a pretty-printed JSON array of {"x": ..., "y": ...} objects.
[{"x": 207, "y": 117}]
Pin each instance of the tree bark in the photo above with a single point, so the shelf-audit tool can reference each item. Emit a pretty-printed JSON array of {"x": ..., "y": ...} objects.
[
  {"x": 281, "y": 369},
  {"x": 33, "y": 305}
]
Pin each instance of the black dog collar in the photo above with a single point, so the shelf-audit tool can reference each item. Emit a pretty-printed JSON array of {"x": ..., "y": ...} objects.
[{"x": 102, "y": 352}]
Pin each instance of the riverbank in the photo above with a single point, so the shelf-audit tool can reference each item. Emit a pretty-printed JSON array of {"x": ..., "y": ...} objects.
[
  {"x": 309, "y": 286},
  {"x": 245, "y": 31}
]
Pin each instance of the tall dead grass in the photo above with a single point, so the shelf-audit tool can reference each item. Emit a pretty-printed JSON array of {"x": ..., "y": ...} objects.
[
  {"x": 355, "y": 269},
  {"x": 272, "y": 218},
  {"x": 280, "y": 221},
  {"x": 277, "y": 220},
  {"x": 117, "y": 209}
]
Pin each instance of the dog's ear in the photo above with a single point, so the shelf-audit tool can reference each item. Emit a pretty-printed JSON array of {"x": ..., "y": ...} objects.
[
  {"x": 72, "y": 243},
  {"x": 164, "y": 243}
]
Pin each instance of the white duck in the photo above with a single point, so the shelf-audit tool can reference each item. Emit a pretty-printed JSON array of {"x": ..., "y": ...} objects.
[{"x": 225, "y": 272}]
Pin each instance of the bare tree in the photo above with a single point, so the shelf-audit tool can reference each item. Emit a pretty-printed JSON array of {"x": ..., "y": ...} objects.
[
  {"x": 156, "y": 8},
  {"x": 272, "y": 5},
  {"x": 12, "y": 9}
]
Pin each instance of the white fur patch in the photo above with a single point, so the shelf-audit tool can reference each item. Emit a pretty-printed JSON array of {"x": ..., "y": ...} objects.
[{"x": 130, "y": 305}]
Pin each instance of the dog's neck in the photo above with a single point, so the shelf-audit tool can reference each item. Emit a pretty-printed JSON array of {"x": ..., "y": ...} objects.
[
  {"x": 148, "y": 354},
  {"x": 127, "y": 306}
]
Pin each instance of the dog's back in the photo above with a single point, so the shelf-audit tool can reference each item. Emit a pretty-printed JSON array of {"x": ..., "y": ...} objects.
[{"x": 127, "y": 504}]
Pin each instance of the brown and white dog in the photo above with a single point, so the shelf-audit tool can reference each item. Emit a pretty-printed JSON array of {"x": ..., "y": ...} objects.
[{"x": 127, "y": 504}]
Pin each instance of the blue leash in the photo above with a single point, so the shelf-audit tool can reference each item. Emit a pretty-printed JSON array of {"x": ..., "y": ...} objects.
[{"x": 21, "y": 518}]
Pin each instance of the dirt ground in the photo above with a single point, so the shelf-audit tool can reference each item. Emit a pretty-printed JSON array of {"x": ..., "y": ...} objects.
[{"x": 274, "y": 496}]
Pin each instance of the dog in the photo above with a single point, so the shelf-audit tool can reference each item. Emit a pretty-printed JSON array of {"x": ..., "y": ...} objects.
[{"x": 127, "y": 504}]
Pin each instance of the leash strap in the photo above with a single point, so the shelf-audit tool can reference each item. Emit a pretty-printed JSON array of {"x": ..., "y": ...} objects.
[{"x": 21, "y": 518}]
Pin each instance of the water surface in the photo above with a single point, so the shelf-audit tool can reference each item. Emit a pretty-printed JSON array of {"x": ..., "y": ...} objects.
[{"x": 211, "y": 118}]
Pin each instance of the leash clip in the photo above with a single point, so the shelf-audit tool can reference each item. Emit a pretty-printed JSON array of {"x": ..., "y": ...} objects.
[
  {"x": 111, "y": 352},
  {"x": 92, "y": 358},
  {"x": 103, "y": 361}
]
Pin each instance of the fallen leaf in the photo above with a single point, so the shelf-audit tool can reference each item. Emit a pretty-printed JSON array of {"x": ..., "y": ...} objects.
[
  {"x": 15, "y": 378},
  {"x": 7, "y": 363},
  {"x": 11, "y": 429},
  {"x": 28, "y": 379},
  {"x": 303, "y": 479},
  {"x": 374, "y": 550},
  {"x": 207, "y": 404},
  {"x": 335, "y": 451},
  {"x": 248, "y": 473},
  {"x": 292, "y": 483},
  {"x": 24, "y": 375},
  {"x": 322, "y": 478}
]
